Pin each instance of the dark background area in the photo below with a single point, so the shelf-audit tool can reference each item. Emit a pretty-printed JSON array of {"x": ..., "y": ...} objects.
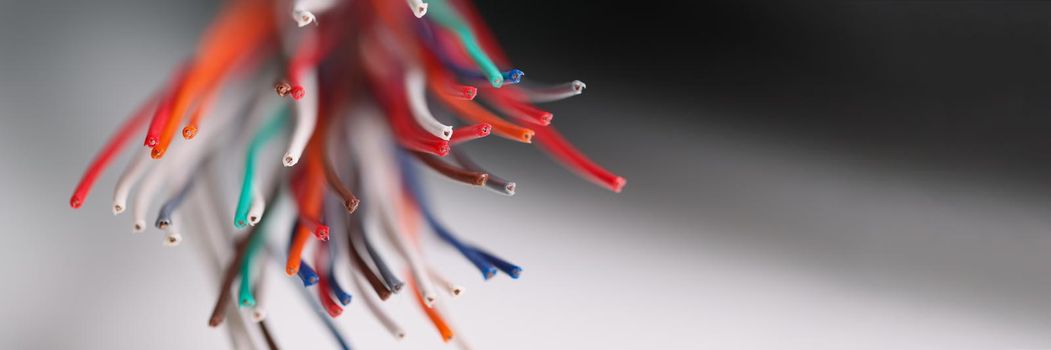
[{"x": 954, "y": 85}]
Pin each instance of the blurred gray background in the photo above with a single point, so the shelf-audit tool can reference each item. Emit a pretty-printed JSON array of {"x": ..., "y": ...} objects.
[{"x": 864, "y": 175}]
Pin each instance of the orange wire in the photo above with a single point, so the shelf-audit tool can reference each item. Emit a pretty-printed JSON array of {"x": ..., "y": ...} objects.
[
  {"x": 432, "y": 313},
  {"x": 310, "y": 205},
  {"x": 249, "y": 64},
  {"x": 202, "y": 108},
  {"x": 242, "y": 26}
]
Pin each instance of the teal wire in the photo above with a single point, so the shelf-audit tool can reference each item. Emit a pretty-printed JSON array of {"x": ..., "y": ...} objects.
[
  {"x": 245, "y": 295},
  {"x": 267, "y": 132},
  {"x": 445, "y": 16}
]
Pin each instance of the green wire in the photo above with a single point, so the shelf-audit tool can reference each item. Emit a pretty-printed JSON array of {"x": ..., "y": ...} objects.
[
  {"x": 267, "y": 132},
  {"x": 447, "y": 17}
]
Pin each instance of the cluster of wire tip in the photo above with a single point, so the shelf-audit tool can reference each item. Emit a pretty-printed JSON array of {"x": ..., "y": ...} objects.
[{"x": 352, "y": 96}]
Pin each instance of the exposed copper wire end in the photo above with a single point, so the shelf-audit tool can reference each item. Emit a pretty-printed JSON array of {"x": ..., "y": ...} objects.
[
  {"x": 282, "y": 88},
  {"x": 189, "y": 132}
]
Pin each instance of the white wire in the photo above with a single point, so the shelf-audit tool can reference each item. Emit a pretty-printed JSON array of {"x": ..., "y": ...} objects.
[
  {"x": 454, "y": 289},
  {"x": 256, "y": 206},
  {"x": 418, "y": 7},
  {"x": 416, "y": 90},
  {"x": 555, "y": 92},
  {"x": 131, "y": 175},
  {"x": 306, "y": 118},
  {"x": 374, "y": 308},
  {"x": 303, "y": 17},
  {"x": 259, "y": 310},
  {"x": 281, "y": 214},
  {"x": 305, "y": 12},
  {"x": 374, "y": 148},
  {"x": 173, "y": 238},
  {"x": 206, "y": 219},
  {"x": 138, "y": 210}
]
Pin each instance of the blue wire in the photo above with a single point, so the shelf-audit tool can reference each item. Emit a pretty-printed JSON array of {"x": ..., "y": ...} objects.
[
  {"x": 307, "y": 274},
  {"x": 513, "y": 76},
  {"x": 337, "y": 291},
  {"x": 389, "y": 277},
  {"x": 164, "y": 216},
  {"x": 484, "y": 266},
  {"x": 412, "y": 184},
  {"x": 510, "y": 269}
]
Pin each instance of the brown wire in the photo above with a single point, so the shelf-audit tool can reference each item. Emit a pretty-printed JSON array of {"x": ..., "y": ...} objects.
[
  {"x": 494, "y": 183},
  {"x": 382, "y": 290},
  {"x": 350, "y": 201},
  {"x": 329, "y": 113},
  {"x": 225, "y": 295},
  {"x": 451, "y": 171},
  {"x": 270, "y": 343}
]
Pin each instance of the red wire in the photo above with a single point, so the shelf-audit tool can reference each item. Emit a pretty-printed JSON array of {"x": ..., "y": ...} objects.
[
  {"x": 112, "y": 148},
  {"x": 301, "y": 61},
  {"x": 558, "y": 147},
  {"x": 316, "y": 227},
  {"x": 463, "y": 92},
  {"x": 470, "y": 132},
  {"x": 503, "y": 100},
  {"x": 536, "y": 115},
  {"x": 324, "y": 285},
  {"x": 315, "y": 45}
]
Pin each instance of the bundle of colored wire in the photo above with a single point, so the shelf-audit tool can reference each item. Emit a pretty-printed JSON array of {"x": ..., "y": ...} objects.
[{"x": 377, "y": 92}]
